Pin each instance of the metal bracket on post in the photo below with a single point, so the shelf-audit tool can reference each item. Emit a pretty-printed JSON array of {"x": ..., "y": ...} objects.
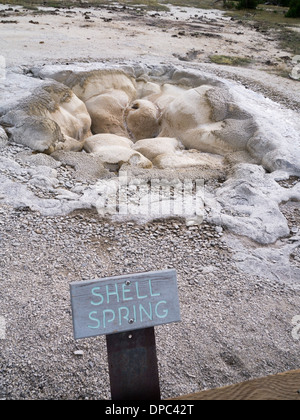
[{"x": 133, "y": 366}]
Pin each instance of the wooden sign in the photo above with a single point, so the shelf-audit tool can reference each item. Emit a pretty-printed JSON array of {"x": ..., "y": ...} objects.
[{"x": 126, "y": 303}]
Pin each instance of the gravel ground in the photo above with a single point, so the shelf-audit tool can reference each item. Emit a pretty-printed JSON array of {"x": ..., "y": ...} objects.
[{"x": 234, "y": 327}]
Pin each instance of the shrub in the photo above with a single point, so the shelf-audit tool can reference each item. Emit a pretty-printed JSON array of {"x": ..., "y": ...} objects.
[
  {"x": 247, "y": 4},
  {"x": 294, "y": 11},
  {"x": 230, "y": 61}
]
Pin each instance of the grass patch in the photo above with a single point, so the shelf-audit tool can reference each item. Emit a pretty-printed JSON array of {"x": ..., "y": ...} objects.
[
  {"x": 154, "y": 5},
  {"x": 230, "y": 61},
  {"x": 30, "y": 7},
  {"x": 272, "y": 18},
  {"x": 265, "y": 14}
]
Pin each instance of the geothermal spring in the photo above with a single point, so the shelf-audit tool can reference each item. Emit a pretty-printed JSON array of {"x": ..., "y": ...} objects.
[
  {"x": 139, "y": 143},
  {"x": 149, "y": 132}
]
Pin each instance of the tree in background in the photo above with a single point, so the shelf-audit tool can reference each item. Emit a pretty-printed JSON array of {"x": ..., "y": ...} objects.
[
  {"x": 283, "y": 3},
  {"x": 294, "y": 11}
]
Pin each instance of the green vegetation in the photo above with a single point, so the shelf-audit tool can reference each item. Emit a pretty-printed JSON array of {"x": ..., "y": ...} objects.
[
  {"x": 289, "y": 40},
  {"x": 31, "y": 4},
  {"x": 146, "y": 4},
  {"x": 272, "y": 18},
  {"x": 229, "y": 61},
  {"x": 201, "y": 4},
  {"x": 247, "y": 4},
  {"x": 294, "y": 11}
]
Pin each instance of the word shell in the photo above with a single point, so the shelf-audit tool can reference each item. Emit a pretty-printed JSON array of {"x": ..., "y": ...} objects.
[{"x": 126, "y": 303}]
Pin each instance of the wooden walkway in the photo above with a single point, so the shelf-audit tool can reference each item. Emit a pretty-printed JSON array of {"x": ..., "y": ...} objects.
[{"x": 281, "y": 387}]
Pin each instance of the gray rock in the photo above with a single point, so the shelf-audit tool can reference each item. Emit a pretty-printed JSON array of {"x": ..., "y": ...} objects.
[
  {"x": 3, "y": 138},
  {"x": 37, "y": 132},
  {"x": 44, "y": 122},
  {"x": 87, "y": 167},
  {"x": 248, "y": 204}
]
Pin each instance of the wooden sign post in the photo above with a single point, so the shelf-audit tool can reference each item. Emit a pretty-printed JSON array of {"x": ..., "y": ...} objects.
[{"x": 126, "y": 309}]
